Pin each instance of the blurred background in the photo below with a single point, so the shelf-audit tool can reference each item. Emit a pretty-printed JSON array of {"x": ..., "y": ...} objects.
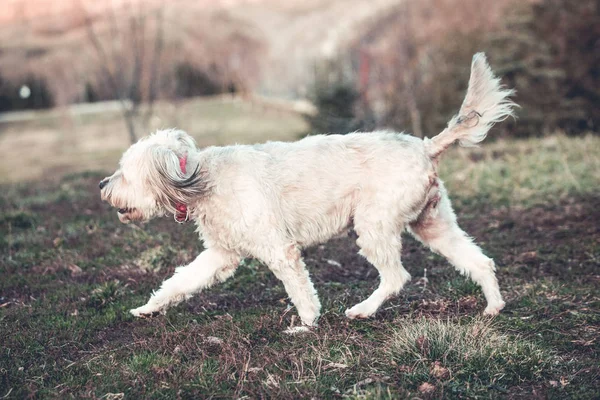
[{"x": 80, "y": 80}]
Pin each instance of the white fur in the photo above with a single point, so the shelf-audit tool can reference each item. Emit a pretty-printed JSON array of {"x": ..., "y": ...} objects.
[
  {"x": 269, "y": 201},
  {"x": 486, "y": 103}
]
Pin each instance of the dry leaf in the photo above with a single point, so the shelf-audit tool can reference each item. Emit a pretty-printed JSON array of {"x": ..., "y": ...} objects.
[
  {"x": 527, "y": 256},
  {"x": 214, "y": 340},
  {"x": 439, "y": 371},
  {"x": 75, "y": 269},
  {"x": 335, "y": 365},
  {"x": 426, "y": 388},
  {"x": 423, "y": 344}
]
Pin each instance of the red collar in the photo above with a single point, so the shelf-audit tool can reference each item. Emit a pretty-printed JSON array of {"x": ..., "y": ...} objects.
[{"x": 182, "y": 214}]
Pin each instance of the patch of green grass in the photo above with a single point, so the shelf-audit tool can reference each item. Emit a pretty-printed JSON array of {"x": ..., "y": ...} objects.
[
  {"x": 18, "y": 219},
  {"x": 557, "y": 314},
  {"x": 523, "y": 172},
  {"x": 462, "y": 286},
  {"x": 156, "y": 258},
  {"x": 143, "y": 362},
  {"x": 377, "y": 391},
  {"x": 105, "y": 294}
]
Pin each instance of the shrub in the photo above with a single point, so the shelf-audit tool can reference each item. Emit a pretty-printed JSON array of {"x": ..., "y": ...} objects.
[
  {"x": 191, "y": 81},
  {"x": 547, "y": 50},
  {"x": 550, "y": 53},
  {"x": 338, "y": 103}
]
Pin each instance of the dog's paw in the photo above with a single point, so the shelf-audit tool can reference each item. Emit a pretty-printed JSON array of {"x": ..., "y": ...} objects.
[
  {"x": 146, "y": 311},
  {"x": 310, "y": 319},
  {"x": 359, "y": 311},
  {"x": 494, "y": 309}
]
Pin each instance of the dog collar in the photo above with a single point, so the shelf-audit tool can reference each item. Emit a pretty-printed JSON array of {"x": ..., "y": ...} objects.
[{"x": 182, "y": 214}]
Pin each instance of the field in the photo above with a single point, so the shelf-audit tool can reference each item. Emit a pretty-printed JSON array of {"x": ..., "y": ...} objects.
[
  {"x": 93, "y": 137},
  {"x": 70, "y": 271}
]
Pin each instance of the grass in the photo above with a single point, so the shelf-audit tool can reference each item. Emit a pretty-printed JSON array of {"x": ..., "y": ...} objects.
[
  {"x": 525, "y": 172},
  {"x": 70, "y": 272},
  {"x": 450, "y": 353}
]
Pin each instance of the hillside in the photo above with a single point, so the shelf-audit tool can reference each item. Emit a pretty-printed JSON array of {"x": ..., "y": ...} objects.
[{"x": 275, "y": 42}]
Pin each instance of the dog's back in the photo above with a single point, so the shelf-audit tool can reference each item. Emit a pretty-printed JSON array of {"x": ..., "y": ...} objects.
[{"x": 321, "y": 180}]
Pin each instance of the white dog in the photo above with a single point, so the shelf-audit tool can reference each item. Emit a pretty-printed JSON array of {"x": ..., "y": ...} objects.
[{"x": 269, "y": 201}]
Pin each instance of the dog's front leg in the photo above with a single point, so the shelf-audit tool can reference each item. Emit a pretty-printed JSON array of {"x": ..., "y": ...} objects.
[
  {"x": 209, "y": 267},
  {"x": 288, "y": 266}
]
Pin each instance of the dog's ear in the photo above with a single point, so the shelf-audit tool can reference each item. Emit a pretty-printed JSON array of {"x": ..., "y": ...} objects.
[
  {"x": 174, "y": 139},
  {"x": 185, "y": 142},
  {"x": 173, "y": 175}
]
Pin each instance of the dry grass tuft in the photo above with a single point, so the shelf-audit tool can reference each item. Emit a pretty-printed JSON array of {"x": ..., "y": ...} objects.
[{"x": 433, "y": 350}]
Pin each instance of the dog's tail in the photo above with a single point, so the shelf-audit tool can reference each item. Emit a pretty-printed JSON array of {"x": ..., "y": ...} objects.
[{"x": 486, "y": 103}]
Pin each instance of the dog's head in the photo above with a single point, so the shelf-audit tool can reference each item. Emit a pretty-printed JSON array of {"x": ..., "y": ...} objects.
[{"x": 159, "y": 174}]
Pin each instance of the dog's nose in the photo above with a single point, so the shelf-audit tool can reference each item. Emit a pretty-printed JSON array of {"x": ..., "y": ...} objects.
[{"x": 103, "y": 183}]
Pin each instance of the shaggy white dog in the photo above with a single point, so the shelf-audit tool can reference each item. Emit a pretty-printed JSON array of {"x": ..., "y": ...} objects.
[{"x": 269, "y": 201}]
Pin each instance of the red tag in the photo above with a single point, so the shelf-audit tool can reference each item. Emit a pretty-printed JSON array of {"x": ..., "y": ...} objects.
[{"x": 182, "y": 163}]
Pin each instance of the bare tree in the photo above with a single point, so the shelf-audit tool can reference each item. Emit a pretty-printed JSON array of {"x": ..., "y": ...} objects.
[
  {"x": 419, "y": 53},
  {"x": 409, "y": 56},
  {"x": 401, "y": 73},
  {"x": 128, "y": 64}
]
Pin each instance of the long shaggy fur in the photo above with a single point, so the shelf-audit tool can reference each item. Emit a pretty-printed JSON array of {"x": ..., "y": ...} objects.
[{"x": 268, "y": 201}]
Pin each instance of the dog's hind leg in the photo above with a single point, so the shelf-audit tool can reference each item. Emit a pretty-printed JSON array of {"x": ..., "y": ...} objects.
[
  {"x": 437, "y": 228},
  {"x": 381, "y": 245},
  {"x": 210, "y": 267}
]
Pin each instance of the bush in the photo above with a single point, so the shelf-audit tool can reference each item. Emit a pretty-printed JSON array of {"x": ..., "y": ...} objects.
[
  {"x": 547, "y": 50},
  {"x": 191, "y": 81},
  {"x": 338, "y": 103},
  {"x": 550, "y": 53},
  {"x": 335, "y": 105}
]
